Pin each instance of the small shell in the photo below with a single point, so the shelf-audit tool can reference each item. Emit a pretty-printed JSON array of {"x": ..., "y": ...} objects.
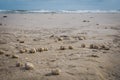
[
  {"x": 70, "y": 47},
  {"x": 2, "y": 52},
  {"x": 56, "y": 72},
  {"x": 18, "y": 64},
  {"x": 45, "y": 49},
  {"x": 7, "y": 55},
  {"x": 29, "y": 66},
  {"x": 83, "y": 45},
  {"x": 32, "y": 50},
  {"x": 62, "y": 48},
  {"x": 23, "y": 50},
  {"x": 40, "y": 49},
  {"x": 21, "y": 41},
  {"x": 15, "y": 56},
  {"x": 60, "y": 39},
  {"x": 92, "y": 46}
]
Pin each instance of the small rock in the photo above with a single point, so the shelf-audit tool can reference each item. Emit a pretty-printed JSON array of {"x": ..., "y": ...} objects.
[
  {"x": 83, "y": 45},
  {"x": 62, "y": 48},
  {"x": 56, "y": 72},
  {"x": 29, "y": 66},
  {"x": 15, "y": 56},
  {"x": 33, "y": 50},
  {"x": 70, "y": 47},
  {"x": 2, "y": 52}
]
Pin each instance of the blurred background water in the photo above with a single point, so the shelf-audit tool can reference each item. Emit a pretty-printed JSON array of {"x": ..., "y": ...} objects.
[{"x": 59, "y": 5}]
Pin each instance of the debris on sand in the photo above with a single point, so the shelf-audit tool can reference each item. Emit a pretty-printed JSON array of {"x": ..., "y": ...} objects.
[
  {"x": 56, "y": 72},
  {"x": 83, "y": 45},
  {"x": 97, "y": 24},
  {"x": 0, "y": 24},
  {"x": 70, "y": 47},
  {"x": 15, "y": 56},
  {"x": 79, "y": 37},
  {"x": 104, "y": 47},
  {"x": 101, "y": 47},
  {"x": 18, "y": 64},
  {"x": 40, "y": 49},
  {"x": 52, "y": 36},
  {"x": 7, "y": 55},
  {"x": 62, "y": 48},
  {"x": 45, "y": 49},
  {"x": 23, "y": 50},
  {"x": 94, "y": 46},
  {"x": 29, "y": 66},
  {"x": 2, "y": 52},
  {"x": 34, "y": 39},
  {"x": 4, "y": 16},
  {"x": 32, "y": 50},
  {"x": 86, "y": 21},
  {"x": 21, "y": 41},
  {"x": 59, "y": 39},
  {"x": 93, "y": 55}
]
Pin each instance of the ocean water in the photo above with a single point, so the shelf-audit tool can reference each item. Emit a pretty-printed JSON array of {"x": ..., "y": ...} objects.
[{"x": 67, "y": 6}]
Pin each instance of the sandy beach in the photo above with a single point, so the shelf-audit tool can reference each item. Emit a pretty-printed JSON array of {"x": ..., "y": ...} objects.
[{"x": 84, "y": 46}]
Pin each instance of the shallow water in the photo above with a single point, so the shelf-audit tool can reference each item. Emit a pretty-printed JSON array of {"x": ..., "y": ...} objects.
[{"x": 59, "y": 4}]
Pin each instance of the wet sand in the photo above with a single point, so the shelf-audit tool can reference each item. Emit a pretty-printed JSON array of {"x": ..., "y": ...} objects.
[{"x": 82, "y": 46}]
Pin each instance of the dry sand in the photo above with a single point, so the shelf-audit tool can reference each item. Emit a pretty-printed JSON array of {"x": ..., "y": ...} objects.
[{"x": 82, "y": 46}]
